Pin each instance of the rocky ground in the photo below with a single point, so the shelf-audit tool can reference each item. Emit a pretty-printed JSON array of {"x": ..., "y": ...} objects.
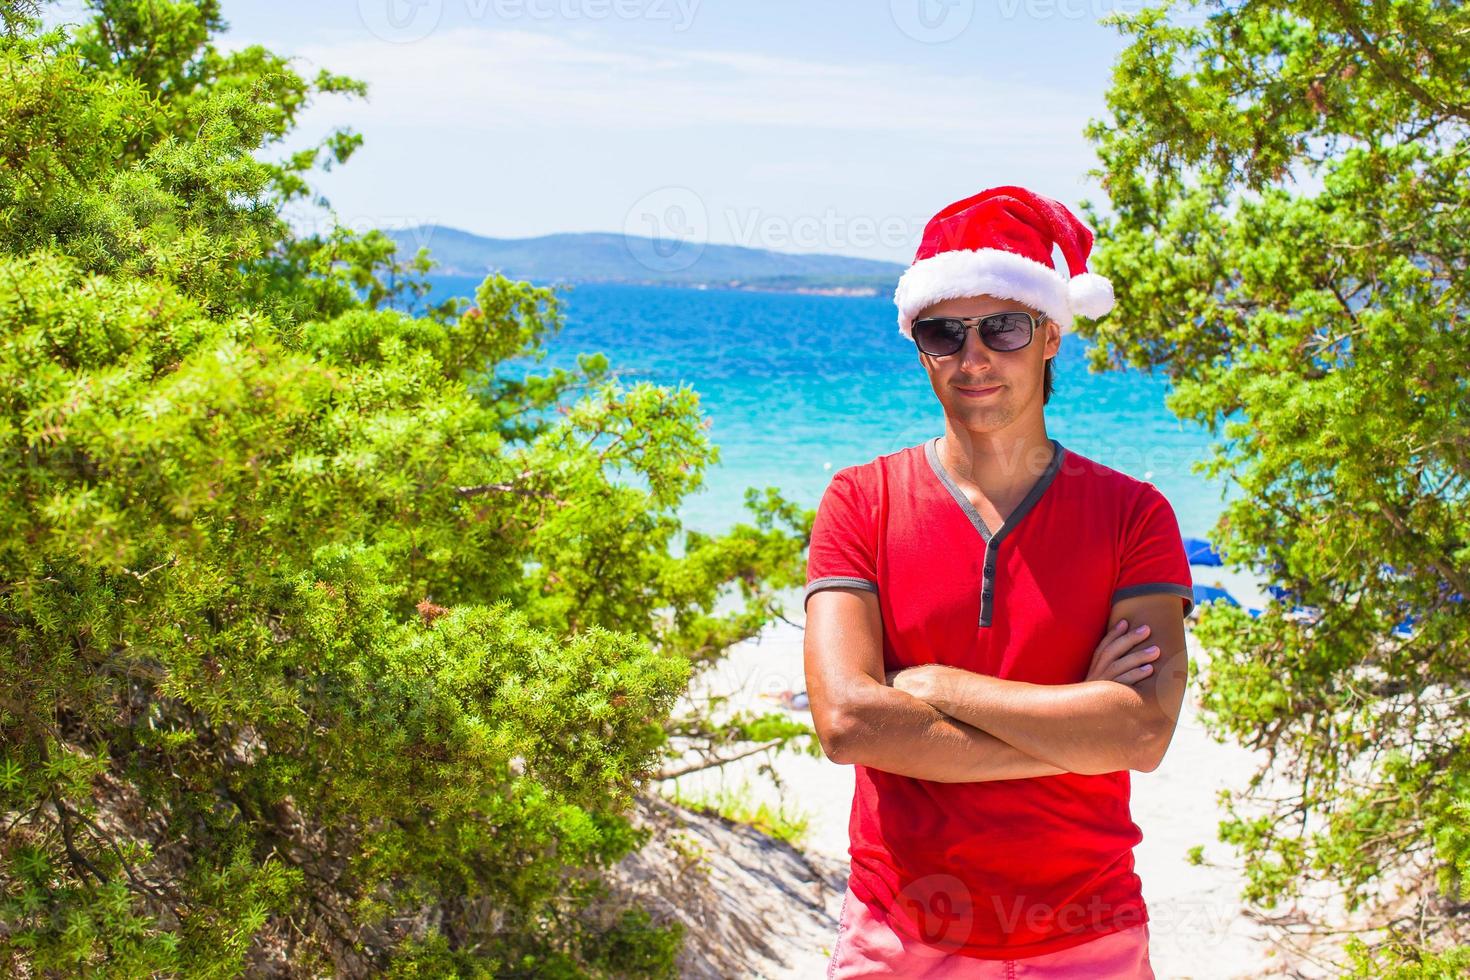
[{"x": 751, "y": 905}]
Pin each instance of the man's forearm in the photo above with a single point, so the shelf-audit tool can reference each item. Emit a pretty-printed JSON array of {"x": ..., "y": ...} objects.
[
  {"x": 892, "y": 730},
  {"x": 1087, "y": 727}
]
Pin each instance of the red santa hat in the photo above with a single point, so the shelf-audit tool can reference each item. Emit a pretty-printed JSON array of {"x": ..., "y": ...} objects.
[{"x": 999, "y": 243}]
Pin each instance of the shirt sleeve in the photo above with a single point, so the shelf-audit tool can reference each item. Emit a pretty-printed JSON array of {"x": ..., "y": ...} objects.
[
  {"x": 1153, "y": 557},
  {"x": 841, "y": 551}
]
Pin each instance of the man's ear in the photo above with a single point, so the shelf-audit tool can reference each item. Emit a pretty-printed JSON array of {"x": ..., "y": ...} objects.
[{"x": 1053, "y": 337}]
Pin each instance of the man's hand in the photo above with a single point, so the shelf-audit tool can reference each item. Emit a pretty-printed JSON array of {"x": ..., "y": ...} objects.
[
  {"x": 924, "y": 681},
  {"x": 1121, "y": 656}
]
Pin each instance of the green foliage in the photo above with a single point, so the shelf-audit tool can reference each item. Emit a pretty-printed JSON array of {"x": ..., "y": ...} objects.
[
  {"x": 785, "y": 823},
  {"x": 325, "y": 646},
  {"x": 1404, "y": 961},
  {"x": 1290, "y": 199}
]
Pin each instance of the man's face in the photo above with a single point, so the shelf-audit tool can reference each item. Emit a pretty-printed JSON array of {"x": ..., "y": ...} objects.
[{"x": 1016, "y": 375}]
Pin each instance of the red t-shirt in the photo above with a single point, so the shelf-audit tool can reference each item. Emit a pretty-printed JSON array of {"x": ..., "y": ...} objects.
[{"x": 1010, "y": 868}]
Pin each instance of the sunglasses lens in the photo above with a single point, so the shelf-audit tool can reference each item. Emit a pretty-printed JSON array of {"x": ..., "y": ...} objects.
[
  {"x": 1006, "y": 331},
  {"x": 939, "y": 336}
]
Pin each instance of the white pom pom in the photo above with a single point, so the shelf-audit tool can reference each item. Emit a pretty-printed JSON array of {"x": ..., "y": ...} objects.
[{"x": 1089, "y": 294}]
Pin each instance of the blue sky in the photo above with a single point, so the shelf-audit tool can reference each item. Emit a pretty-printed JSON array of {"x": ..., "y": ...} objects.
[{"x": 805, "y": 125}]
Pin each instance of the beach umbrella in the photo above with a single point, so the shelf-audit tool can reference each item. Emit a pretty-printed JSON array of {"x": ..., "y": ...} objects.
[
  {"x": 1201, "y": 552},
  {"x": 1209, "y": 593}
]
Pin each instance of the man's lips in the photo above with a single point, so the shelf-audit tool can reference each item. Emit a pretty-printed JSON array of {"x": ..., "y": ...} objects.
[{"x": 977, "y": 392}]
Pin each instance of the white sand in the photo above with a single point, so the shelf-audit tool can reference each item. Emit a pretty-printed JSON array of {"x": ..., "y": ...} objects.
[{"x": 1196, "y": 919}]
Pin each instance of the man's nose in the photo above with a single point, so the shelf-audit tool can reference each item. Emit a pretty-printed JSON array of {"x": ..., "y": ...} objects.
[{"x": 974, "y": 351}]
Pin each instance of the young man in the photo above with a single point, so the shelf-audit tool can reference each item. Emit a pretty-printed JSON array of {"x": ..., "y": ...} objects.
[{"x": 995, "y": 635}]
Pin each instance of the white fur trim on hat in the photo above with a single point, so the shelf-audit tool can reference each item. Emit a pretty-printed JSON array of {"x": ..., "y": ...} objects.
[
  {"x": 1091, "y": 295},
  {"x": 986, "y": 272}
]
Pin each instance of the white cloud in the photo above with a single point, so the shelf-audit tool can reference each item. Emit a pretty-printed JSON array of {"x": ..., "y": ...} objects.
[
  {"x": 510, "y": 133},
  {"x": 515, "y": 80}
]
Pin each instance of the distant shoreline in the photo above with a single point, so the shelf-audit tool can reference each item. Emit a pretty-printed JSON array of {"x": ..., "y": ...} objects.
[
  {"x": 623, "y": 259},
  {"x": 731, "y": 286},
  {"x": 744, "y": 287}
]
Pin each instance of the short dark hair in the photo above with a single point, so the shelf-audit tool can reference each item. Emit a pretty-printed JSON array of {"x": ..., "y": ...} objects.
[{"x": 1046, "y": 381}]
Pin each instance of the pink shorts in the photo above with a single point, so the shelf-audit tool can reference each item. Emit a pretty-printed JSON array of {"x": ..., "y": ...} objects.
[{"x": 867, "y": 947}]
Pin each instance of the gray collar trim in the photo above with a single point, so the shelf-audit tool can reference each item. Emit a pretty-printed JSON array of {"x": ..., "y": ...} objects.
[
  {"x": 931, "y": 452},
  {"x": 987, "y": 580}
]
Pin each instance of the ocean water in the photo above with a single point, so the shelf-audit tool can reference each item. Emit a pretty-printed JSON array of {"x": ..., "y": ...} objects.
[{"x": 798, "y": 386}]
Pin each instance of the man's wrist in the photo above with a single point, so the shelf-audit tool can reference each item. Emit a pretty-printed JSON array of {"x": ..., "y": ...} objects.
[
  {"x": 939, "y": 686},
  {"x": 930, "y": 683}
]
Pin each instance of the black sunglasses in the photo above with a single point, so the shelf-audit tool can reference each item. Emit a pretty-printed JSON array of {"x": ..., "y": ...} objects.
[{"x": 940, "y": 336}]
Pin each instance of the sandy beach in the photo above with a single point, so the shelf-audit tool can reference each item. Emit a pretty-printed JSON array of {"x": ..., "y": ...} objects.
[{"x": 1197, "y": 922}]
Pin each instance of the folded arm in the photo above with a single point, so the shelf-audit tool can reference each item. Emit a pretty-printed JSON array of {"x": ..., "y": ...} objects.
[
  {"x": 860, "y": 719},
  {"x": 1090, "y": 727},
  {"x": 892, "y": 730}
]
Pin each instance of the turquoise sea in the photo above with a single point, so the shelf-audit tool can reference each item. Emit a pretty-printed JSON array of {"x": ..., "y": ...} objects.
[{"x": 799, "y": 386}]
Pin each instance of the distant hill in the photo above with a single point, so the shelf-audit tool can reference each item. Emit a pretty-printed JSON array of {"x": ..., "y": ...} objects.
[{"x": 610, "y": 257}]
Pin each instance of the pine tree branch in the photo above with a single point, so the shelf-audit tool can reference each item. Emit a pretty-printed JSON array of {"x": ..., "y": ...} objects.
[{"x": 712, "y": 763}]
